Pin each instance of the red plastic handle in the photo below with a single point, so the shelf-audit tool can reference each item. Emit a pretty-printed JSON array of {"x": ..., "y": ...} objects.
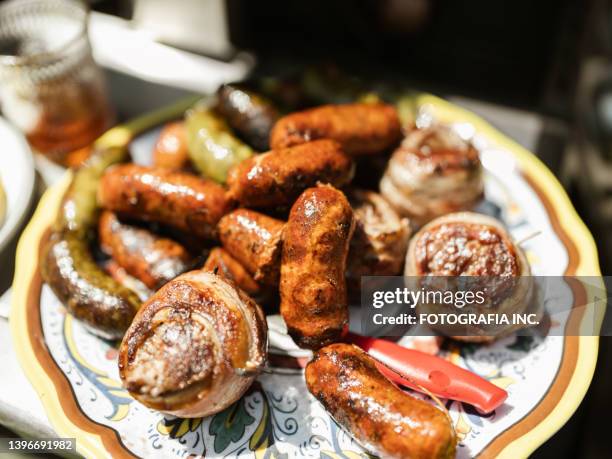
[{"x": 418, "y": 370}]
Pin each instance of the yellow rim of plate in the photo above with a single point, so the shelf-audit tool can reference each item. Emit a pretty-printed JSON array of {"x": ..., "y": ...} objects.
[{"x": 90, "y": 445}]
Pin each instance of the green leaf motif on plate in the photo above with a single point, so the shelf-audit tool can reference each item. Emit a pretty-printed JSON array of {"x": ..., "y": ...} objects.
[{"x": 229, "y": 425}]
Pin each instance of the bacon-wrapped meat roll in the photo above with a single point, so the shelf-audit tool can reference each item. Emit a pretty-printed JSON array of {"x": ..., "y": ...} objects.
[
  {"x": 378, "y": 246},
  {"x": 474, "y": 245},
  {"x": 434, "y": 172},
  {"x": 194, "y": 347},
  {"x": 360, "y": 128},
  {"x": 384, "y": 419}
]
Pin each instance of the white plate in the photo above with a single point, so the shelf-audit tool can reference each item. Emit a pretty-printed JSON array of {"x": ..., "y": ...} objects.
[{"x": 17, "y": 176}]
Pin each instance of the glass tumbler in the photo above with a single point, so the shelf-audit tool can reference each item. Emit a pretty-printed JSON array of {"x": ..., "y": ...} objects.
[{"x": 50, "y": 86}]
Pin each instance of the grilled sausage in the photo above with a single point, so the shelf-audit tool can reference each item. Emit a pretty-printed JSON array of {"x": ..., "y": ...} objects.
[
  {"x": 315, "y": 248},
  {"x": 170, "y": 151},
  {"x": 223, "y": 264},
  {"x": 152, "y": 259},
  {"x": 105, "y": 306},
  {"x": 254, "y": 239},
  {"x": 177, "y": 199},
  {"x": 360, "y": 128},
  {"x": 385, "y": 420},
  {"x": 195, "y": 347},
  {"x": 278, "y": 177},
  {"x": 250, "y": 114}
]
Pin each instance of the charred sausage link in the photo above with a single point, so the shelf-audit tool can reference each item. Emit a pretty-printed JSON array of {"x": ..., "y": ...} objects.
[
  {"x": 177, "y": 199},
  {"x": 315, "y": 248},
  {"x": 360, "y": 128},
  {"x": 254, "y": 239},
  {"x": 152, "y": 259},
  {"x": 278, "y": 177},
  {"x": 385, "y": 420}
]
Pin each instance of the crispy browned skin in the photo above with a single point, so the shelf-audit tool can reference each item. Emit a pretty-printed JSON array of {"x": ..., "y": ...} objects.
[
  {"x": 360, "y": 128},
  {"x": 278, "y": 177},
  {"x": 223, "y": 264},
  {"x": 152, "y": 259},
  {"x": 254, "y": 239},
  {"x": 195, "y": 346},
  {"x": 178, "y": 199},
  {"x": 380, "y": 416},
  {"x": 170, "y": 150},
  {"x": 312, "y": 286}
]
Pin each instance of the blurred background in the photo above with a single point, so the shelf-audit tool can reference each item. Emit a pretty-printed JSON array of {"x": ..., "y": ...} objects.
[{"x": 540, "y": 71}]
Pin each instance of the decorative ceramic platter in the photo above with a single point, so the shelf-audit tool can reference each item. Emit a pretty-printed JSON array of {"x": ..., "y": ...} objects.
[{"x": 76, "y": 376}]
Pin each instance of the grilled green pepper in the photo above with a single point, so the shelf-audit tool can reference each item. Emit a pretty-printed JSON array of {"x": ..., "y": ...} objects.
[{"x": 213, "y": 148}]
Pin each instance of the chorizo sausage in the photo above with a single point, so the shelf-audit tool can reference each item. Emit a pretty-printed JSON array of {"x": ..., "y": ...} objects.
[
  {"x": 195, "y": 346},
  {"x": 104, "y": 305},
  {"x": 152, "y": 259},
  {"x": 223, "y": 264},
  {"x": 249, "y": 113},
  {"x": 278, "y": 177},
  {"x": 177, "y": 199},
  {"x": 170, "y": 151},
  {"x": 254, "y": 239},
  {"x": 385, "y": 420},
  {"x": 312, "y": 286},
  {"x": 360, "y": 128}
]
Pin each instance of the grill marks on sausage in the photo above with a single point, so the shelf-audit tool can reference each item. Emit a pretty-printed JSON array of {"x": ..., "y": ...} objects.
[{"x": 315, "y": 248}]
